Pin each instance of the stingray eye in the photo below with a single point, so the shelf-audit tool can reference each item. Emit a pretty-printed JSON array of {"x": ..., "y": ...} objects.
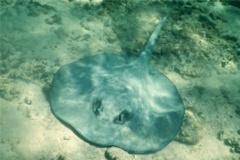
[
  {"x": 123, "y": 117},
  {"x": 119, "y": 119},
  {"x": 96, "y": 107}
]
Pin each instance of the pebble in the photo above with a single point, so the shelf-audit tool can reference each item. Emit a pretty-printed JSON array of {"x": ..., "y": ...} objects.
[
  {"x": 66, "y": 137},
  {"x": 220, "y": 135},
  {"x": 28, "y": 101}
]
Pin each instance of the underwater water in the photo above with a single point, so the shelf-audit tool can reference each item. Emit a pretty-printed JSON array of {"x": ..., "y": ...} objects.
[{"x": 198, "y": 50}]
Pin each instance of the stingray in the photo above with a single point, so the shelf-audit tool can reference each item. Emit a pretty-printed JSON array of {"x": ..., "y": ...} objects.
[{"x": 122, "y": 101}]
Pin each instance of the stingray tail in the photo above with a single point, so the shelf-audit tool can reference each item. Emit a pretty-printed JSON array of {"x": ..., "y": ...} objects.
[{"x": 147, "y": 51}]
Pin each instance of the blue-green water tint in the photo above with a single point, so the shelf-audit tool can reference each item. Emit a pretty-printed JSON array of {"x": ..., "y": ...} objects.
[{"x": 110, "y": 101}]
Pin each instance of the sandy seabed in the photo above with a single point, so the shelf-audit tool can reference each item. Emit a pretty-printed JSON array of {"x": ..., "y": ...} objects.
[{"x": 199, "y": 50}]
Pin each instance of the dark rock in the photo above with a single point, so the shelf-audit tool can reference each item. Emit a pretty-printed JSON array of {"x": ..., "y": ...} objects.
[
  {"x": 238, "y": 110},
  {"x": 238, "y": 131},
  {"x": 55, "y": 19}
]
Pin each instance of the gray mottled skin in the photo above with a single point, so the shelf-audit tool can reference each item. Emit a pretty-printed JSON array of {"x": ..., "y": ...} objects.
[{"x": 111, "y": 101}]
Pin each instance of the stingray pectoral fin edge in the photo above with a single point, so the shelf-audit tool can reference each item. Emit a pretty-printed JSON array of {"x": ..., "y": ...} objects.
[{"x": 110, "y": 101}]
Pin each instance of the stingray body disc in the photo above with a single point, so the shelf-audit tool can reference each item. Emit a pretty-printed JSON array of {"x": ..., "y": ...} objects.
[{"x": 111, "y": 103}]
